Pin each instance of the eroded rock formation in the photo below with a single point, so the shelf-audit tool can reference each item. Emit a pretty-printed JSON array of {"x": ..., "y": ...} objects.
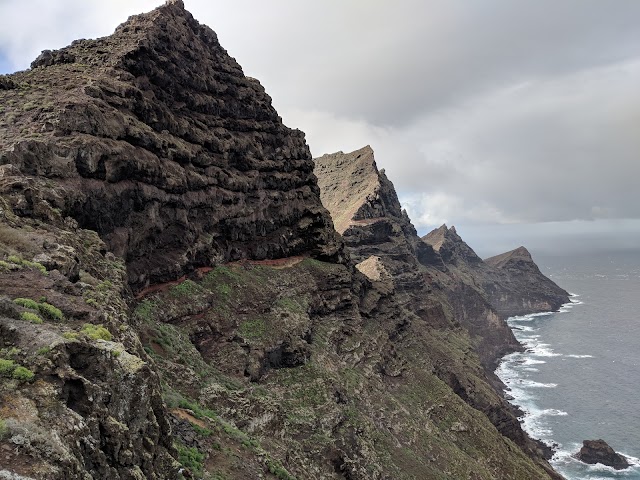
[{"x": 154, "y": 138}]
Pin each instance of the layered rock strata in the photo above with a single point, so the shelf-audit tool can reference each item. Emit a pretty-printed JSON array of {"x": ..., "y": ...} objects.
[
  {"x": 154, "y": 138},
  {"x": 175, "y": 298}
]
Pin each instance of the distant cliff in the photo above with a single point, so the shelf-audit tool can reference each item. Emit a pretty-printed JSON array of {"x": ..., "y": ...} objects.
[
  {"x": 511, "y": 282},
  {"x": 439, "y": 279},
  {"x": 175, "y": 301}
]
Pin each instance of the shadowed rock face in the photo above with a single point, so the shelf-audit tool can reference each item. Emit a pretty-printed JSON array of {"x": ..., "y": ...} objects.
[
  {"x": 521, "y": 287},
  {"x": 155, "y": 138},
  {"x": 511, "y": 282},
  {"x": 599, "y": 451}
]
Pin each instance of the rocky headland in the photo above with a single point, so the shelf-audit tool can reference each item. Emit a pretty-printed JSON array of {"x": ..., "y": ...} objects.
[{"x": 175, "y": 300}]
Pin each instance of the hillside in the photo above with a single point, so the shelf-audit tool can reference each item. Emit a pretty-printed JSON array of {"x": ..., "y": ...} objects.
[{"x": 175, "y": 300}]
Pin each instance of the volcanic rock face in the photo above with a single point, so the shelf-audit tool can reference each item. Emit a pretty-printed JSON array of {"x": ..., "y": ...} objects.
[
  {"x": 521, "y": 287},
  {"x": 174, "y": 294},
  {"x": 154, "y": 138},
  {"x": 599, "y": 451},
  {"x": 430, "y": 278},
  {"x": 511, "y": 282}
]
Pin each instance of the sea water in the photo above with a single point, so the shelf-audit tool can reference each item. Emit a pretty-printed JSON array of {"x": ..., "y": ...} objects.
[{"x": 579, "y": 377}]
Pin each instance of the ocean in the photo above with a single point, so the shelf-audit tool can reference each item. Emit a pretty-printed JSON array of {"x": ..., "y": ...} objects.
[{"x": 580, "y": 375}]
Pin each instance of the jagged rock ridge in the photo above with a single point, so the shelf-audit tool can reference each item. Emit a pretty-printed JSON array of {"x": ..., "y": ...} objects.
[
  {"x": 154, "y": 138},
  {"x": 434, "y": 278}
]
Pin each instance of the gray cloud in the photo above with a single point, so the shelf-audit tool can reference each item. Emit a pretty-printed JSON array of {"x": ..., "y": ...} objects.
[{"x": 501, "y": 112}]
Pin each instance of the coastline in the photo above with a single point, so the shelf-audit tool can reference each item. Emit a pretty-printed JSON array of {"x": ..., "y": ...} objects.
[{"x": 523, "y": 393}]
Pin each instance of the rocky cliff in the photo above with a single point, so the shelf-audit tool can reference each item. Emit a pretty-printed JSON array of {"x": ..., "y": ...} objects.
[
  {"x": 521, "y": 287},
  {"x": 511, "y": 282},
  {"x": 436, "y": 280},
  {"x": 175, "y": 302},
  {"x": 154, "y": 138}
]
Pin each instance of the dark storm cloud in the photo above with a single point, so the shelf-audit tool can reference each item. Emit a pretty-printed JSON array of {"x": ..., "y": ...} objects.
[{"x": 504, "y": 112}]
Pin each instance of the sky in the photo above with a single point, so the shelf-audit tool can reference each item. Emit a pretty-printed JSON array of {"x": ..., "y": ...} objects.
[{"x": 516, "y": 121}]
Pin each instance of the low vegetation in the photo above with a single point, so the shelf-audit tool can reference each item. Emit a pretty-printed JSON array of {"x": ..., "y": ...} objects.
[
  {"x": 46, "y": 309},
  {"x": 96, "y": 332}
]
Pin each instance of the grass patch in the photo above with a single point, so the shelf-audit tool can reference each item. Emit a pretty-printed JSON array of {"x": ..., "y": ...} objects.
[
  {"x": 292, "y": 304},
  {"x": 191, "y": 458},
  {"x": 30, "y": 317},
  {"x": 23, "y": 374},
  {"x": 144, "y": 310},
  {"x": 96, "y": 332},
  {"x": 278, "y": 470},
  {"x": 205, "y": 432},
  {"x": 253, "y": 329},
  {"x": 43, "y": 351},
  {"x": 70, "y": 335},
  {"x": 185, "y": 289}
]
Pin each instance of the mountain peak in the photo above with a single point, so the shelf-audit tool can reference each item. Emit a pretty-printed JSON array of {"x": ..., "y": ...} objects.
[
  {"x": 517, "y": 254},
  {"x": 446, "y": 241},
  {"x": 352, "y": 188}
]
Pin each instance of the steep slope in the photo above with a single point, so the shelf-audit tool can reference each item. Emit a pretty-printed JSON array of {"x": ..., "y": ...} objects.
[
  {"x": 154, "y": 138},
  {"x": 529, "y": 290},
  {"x": 173, "y": 293},
  {"x": 511, "y": 282},
  {"x": 435, "y": 299}
]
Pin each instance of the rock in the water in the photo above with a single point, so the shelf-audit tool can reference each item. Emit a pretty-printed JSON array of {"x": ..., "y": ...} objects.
[{"x": 599, "y": 451}]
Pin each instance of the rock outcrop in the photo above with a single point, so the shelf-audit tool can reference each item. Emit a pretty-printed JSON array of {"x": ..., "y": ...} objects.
[
  {"x": 521, "y": 287},
  {"x": 174, "y": 297},
  {"x": 154, "y": 138},
  {"x": 599, "y": 451}
]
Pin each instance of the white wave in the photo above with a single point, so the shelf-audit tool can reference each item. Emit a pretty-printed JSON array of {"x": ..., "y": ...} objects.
[
  {"x": 532, "y": 384},
  {"x": 579, "y": 356},
  {"x": 543, "y": 350}
]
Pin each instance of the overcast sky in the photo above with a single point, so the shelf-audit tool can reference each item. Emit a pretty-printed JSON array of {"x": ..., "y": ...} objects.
[{"x": 516, "y": 121}]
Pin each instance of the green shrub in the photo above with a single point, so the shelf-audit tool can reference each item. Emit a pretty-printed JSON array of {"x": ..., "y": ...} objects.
[
  {"x": 205, "y": 432},
  {"x": 7, "y": 366},
  {"x": 26, "y": 303},
  {"x": 36, "y": 265},
  {"x": 50, "y": 311},
  {"x": 26, "y": 263},
  {"x": 144, "y": 310},
  {"x": 278, "y": 470},
  {"x": 70, "y": 335},
  {"x": 191, "y": 458},
  {"x": 4, "y": 430},
  {"x": 43, "y": 350},
  {"x": 30, "y": 317},
  {"x": 96, "y": 332},
  {"x": 188, "y": 287},
  {"x": 23, "y": 374}
]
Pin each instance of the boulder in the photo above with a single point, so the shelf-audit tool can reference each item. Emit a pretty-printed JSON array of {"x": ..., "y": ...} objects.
[{"x": 598, "y": 451}]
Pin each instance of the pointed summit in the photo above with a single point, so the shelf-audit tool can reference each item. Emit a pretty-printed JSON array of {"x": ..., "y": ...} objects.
[
  {"x": 160, "y": 134},
  {"x": 353, "y": 189},
  {"x": 502, "y": 260},
  {"x": 450, "y": 246}
]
